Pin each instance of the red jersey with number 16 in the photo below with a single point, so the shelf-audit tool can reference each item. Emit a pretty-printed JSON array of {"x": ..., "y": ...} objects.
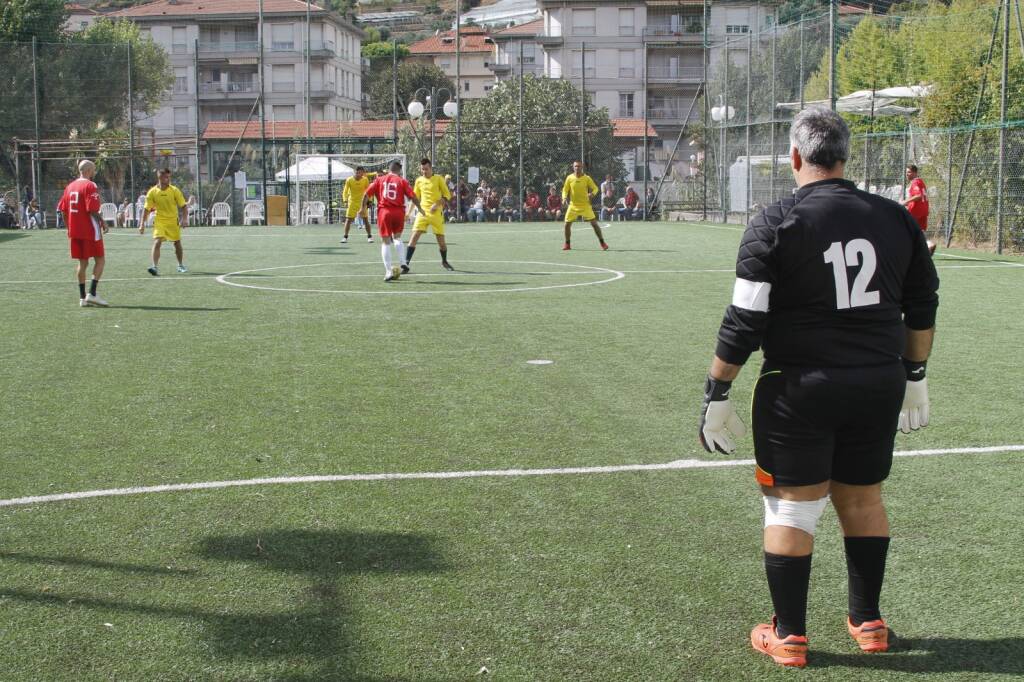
[
  {"x": 390, "y": 191},
  {"x": 81, "y": 199}
]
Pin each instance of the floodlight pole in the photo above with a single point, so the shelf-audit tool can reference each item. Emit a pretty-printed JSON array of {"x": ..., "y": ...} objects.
[
  {"x": 705, "y": 113},
  {"x": 583, "y": 101},
  {"x": 1000, "y": 170},
  {"x": 131, "y": 133},
  {"x": 832, "y": 54},
  {"x": 458, "y": 104},
  {"x": 309, "y": 80},
  {"x": 263, "y": 119},
  {"x": 199, "y": 172},
  {"x": 394, "y": 93},
  {"x": 35, "y": 97},
  {"x": 522, "y": 198}
]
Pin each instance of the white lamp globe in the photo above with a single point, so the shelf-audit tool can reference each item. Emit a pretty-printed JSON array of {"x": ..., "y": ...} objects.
[
  {"x": 732, "y": 112},
  {"x": 415, "y": 109},
  {"x": 716, "y": 113},
  {"x": 451, "y": 109}
]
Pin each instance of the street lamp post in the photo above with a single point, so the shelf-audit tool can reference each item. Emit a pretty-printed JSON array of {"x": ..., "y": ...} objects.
[
  {"x": 722, "y": 114},
  {"x": 417, "y": 109}
]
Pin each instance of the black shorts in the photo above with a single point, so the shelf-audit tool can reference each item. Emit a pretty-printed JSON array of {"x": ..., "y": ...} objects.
[{"x": 817, "y": 424}]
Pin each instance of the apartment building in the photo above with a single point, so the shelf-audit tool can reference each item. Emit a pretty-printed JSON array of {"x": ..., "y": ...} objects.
[
  {"x": 227, "y": 35},
  {"x": 515, "y": 42},
  {"x": 476, "y": 53}
]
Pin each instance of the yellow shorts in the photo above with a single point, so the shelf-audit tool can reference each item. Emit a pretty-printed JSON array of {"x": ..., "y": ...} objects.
[
  {"x": 171, "y": 234},
  {"x": 353, "y": 210},
  {"x": 574, "y": 212},
  {"x": 435, "y": 221}
]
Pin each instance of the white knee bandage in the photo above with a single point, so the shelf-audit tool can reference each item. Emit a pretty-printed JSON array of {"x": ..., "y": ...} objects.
[{"x": 801, "y": 515}]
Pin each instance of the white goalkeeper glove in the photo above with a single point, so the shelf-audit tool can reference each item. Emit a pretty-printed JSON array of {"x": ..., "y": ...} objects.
[
  {"x": 914, "y": 413},
  {"x": 718, "y": 419}
]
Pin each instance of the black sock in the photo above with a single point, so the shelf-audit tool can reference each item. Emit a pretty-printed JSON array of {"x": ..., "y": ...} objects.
[
  {"x": 92, "y": 286},
  {"x": 444, "y": 255},
  {"x": 865, "y": 569},
  {"x": 409, "y": 250},
  {"x": 81, "y": 290},
  {"x": 788, "y": 579}
]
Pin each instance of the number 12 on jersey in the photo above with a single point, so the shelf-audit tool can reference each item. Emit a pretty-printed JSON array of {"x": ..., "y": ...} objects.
[{"x": 857, "y": 252}]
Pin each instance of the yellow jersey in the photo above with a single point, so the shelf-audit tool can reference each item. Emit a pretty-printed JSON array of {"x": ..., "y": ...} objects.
[
  {"x": 430, "y": 191},
  {"x": 166, "y": 203},
  {"x": 576, "y": 190},
  {"x": 354, "y": 190}
]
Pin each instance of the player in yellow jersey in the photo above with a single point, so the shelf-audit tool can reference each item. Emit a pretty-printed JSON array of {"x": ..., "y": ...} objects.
[
  {"x": 576, "y": 193},
  {"x": 352, "y": 195},
  {"x": 433, "y": 193},
  {"x": 168, "y": 203}
]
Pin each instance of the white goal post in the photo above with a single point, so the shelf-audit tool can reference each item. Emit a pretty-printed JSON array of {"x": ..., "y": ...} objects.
[{"x": 317, "y": 181}]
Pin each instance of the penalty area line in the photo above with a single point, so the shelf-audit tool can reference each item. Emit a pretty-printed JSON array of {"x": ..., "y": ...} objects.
[{"x": 678, "y": 464}]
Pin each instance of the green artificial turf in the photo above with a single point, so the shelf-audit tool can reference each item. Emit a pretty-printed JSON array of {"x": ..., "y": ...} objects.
[{"x": 651, "y": 575}]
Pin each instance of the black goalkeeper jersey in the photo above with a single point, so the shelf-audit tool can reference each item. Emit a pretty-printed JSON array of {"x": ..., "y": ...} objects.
[{"x": 829, "y": 277}]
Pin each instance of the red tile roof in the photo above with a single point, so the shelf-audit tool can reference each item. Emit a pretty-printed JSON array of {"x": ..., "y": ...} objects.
[
  {"x": 380, "y": 129},
  {"x": 189, "y": 8},
  {"x": 530, "y": 28},
  {"x": 474, "y": 39}
]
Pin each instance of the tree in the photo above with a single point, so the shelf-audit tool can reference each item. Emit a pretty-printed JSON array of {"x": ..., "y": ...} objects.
[
  {"x": 381, "y": 51},
  {"x": 23, "y": 20},
  {"x": 551, "y": 109},
  {"x": 411, "y": 77}
]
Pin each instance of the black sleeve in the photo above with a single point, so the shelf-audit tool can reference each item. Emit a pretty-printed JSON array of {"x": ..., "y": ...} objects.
[
  {"x": 742, "y": 328},
  {"x": 921, "y": 286}
]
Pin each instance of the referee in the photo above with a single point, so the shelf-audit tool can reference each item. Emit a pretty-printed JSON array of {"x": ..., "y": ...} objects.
[{"x": 837, "y": 287}]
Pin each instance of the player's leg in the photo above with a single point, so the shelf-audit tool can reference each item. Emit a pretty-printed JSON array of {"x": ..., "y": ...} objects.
[
  {"x": 418, "y": 230},
  {"x": 366, "y": 224},
  {"x": 442, "y": 246},
  {"x": 348, "y": 226},
  {"x": 81, "y": 267},
  {"x": 179, "y": 253},
  {"x": 568, "y": 234},
  {"x": 385, "y": 254},
  {"x": 98, "y": 262},
  {"x": 600, "y": 235},
  {"x": 155, "y": 256}
]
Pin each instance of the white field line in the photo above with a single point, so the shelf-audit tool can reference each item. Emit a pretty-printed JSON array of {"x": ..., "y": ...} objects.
[{"x": 449, "y": 475}]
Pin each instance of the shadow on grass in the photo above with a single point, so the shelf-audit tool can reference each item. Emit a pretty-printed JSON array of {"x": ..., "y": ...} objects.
[
  {"x": 328, "y": 251},
  {"x": 936, "y": 655},
  {"x": 316, "y": 634},
  {"x": 470, "y": 283},
  {"x": 11, "y": 236},
  {"x": 167, "y": 307}
]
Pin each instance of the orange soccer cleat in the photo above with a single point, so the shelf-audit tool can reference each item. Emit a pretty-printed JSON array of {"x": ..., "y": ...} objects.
[
  {"x": 789, "y": 651},
  {"x": 871, "y": 635}
]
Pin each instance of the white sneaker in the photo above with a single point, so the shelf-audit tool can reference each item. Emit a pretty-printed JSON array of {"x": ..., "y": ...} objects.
[
  {"x": 91, "y": 299},
  {"x": 83, "y": 302},
  {"x": 344, "y": 240},
  {"x": 182, "y": 268},
  {"x": 369, "y": 240}
]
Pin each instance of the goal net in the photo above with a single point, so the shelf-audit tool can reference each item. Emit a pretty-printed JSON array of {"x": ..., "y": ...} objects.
[{"x": 318, "y": 180}]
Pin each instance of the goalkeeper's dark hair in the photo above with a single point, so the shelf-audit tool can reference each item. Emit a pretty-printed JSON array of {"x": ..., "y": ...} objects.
[
  {"x": 425, "y": 162},
  {"x": 912, "y": 167},
  {"x": 360, "y": 168}
]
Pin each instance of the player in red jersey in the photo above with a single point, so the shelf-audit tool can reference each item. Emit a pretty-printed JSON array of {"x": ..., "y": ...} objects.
[
  {"x": 80, "y": 206},
  {"x": 391, "y": 190},
  {"x": 917, "y": 202}
]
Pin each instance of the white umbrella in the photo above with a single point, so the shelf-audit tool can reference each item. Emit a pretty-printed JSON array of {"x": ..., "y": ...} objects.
[{"x": 315, "y": 168}]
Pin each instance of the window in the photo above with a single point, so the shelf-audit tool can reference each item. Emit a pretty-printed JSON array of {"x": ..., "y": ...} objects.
[
  {"x": 284, "y": 112},
  {"x": 626, "y": 104},
  {"x": 578, "y": 60},
  {"x": 181, "y": 119},
  {"x": 466, "y": 84},
  {"x": 584, "y": 22},
  {"x": 626, "y": 22},
  {"x": 246, "y": 38},
  {"x": 626, "y": 68},
  {"x": 282, "y": 37},
  {"x": 529, "y": 53},
  {"x": 737, "y": 28},
  {"x": 180, "y": 79},
  {"x": 445, "y": 64},
  {"x": 179, "y": 40},
  {"x": 283, "y": 78},
  {"x": 487, "y": 88}
]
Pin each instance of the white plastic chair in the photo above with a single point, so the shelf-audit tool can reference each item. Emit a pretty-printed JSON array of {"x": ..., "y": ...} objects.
[
  {"x": 314, "y": 210},
  {"x": 220, "y": 211},
  {"x": 129, "y": 215},
  {"x": 293, "y": 213},
  {"x": 252, "y": 214},
  {"x": 109, "y": 213}
]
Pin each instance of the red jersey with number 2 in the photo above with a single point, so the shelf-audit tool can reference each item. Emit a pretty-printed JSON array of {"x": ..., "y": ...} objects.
[
  {"x": 81, "y": 199},
  {"x": 390, "y": 190}
]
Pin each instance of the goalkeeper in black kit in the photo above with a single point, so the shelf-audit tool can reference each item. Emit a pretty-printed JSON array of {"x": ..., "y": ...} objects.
[{"x": 836, "y": 286}]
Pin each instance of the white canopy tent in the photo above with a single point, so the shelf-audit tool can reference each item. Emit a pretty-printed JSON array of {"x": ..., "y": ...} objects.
[
  {"x": 314, "y": 169},
  {"x": 871, "y": 102}
]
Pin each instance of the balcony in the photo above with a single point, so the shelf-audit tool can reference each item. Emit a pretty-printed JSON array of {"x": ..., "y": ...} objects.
[
  {"x": 673, "y": 114},
  {"x": 549, "y": 41},
  {"x": 321, "y": 48},
  {"x": 325, "y": 91},
  {"x": 227, "y": 91},
  {"x": 180, "y": 129},
  {"x": 221, "y": 51},
  {"x": 691, "y": 33},
  {"x": 501, "y": 69},
  {"x": 675, "y": 74}
]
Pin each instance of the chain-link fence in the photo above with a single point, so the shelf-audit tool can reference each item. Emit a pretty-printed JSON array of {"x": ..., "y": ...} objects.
[{"x": 956, "y": 118}]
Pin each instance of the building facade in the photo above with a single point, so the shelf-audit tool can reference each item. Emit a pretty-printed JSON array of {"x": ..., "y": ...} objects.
[
  {"x": 318, "y": 78},
  {"x": 476, "y": 54},
  {"x": 517, "y": 50}
]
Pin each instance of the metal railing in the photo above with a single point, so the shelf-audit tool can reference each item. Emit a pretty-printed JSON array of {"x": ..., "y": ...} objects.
[
  {"x": 227, "y": 88},
  {"x": 241, "y": 46},
  {"x": 690, "y": 31},
  {"x": 686, "y": 73}
]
